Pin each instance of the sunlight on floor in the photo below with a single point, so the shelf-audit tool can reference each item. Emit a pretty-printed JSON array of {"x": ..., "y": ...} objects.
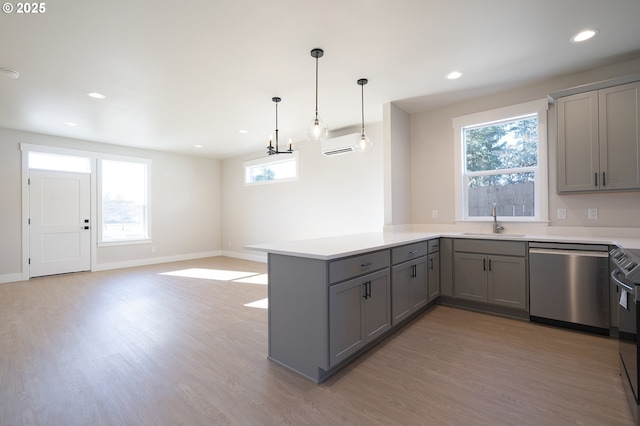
[
  {"x": 226, "y": 275},
  {"x": 262, "y": 304},
  {"x": 220, "y": 275},
  {"x": 256, "y": 279}
]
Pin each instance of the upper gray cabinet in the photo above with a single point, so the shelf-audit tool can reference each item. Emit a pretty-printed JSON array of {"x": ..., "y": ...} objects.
[{"x": 599, "y": 139}]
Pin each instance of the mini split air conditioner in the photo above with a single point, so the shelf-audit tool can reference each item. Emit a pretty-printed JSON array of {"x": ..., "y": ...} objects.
[{"x": 339, "y": 145}]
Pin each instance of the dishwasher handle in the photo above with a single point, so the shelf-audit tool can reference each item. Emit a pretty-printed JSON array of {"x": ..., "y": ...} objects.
[{"x": 560, "y": 252}]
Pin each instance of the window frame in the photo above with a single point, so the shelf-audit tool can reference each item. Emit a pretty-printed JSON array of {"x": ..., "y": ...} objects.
[
  {"x": 265, "y": 161},
  {"x": 541, "y": 189}
]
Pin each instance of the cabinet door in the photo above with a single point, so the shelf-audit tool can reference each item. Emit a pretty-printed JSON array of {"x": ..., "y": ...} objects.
[
  {"x": 377, "y": 309},
  {"x": 470, "y": 276},
  {"x": 507, "y": 281},
  {"x": 433, "y": 275},
  {"x": 418, "y": 293},
  {"x": 619, "y": 115},
  {"x": 359, "y": 312},
  {"x": 408, "y": 289},
  {"x": 400, "y": 307},
  {"x": 346, "y": 319},
  {"x": 578, "y": 156}
]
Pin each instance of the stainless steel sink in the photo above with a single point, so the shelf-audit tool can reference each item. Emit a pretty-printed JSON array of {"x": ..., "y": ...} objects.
[{"x": 487, "y": 234}]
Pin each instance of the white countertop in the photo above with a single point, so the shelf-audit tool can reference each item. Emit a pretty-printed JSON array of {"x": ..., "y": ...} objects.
[{"x": 348, "y": 245}]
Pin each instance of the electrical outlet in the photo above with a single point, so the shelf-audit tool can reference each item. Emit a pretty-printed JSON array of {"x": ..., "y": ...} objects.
[
  {"x": 153, "y": 249},
  {"x": 562, "y": 213},
  {"x": 434, "y": 214},
  {"x": 592, "y": 213}
]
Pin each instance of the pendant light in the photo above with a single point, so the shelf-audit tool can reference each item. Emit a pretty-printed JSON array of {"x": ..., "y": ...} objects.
[
  {"x": 270, "y": 149},
  {"x": 317, "y": 130},
  {"x": 363, "y": 143}
]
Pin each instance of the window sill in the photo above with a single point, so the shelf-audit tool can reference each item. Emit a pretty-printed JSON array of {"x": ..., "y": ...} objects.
[{"x": 124, "y": 242}]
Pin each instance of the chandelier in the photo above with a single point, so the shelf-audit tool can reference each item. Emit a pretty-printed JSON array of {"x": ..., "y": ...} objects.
[{"x": 271, "y": 150}]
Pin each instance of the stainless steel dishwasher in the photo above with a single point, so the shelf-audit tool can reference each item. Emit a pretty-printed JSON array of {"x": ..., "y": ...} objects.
[{"x": 569, "y": 285}]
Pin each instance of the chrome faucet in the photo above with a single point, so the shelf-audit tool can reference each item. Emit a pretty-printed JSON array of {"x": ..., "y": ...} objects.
[{"x": 496, "y": 228}]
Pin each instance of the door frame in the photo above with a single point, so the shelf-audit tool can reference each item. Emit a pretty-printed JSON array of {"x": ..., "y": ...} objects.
[{"x": 26, "y": 148}]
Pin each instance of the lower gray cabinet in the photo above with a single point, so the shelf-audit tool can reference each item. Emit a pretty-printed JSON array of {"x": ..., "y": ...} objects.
[
  {"x": 409, "y": 289},
  {"x": 507, "y": 282},
  {"x": 471, "y": 276},
  {"x": 358, "y": 314},
  {"x": 433, "y": 276},
  {"x": 483, "y": 275}
]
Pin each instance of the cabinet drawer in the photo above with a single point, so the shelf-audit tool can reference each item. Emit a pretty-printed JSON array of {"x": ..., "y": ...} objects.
[
  {"x": 434, "y": 246},
  {"x": 408, "y": 252},
  {"x": 343, "y": 269}
]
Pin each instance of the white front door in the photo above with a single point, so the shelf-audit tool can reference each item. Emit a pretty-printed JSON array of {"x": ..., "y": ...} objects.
[{"x": 59, "y": 235}]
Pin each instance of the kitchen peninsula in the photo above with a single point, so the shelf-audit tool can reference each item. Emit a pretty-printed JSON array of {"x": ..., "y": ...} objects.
[{"x": 331, "y": 299}]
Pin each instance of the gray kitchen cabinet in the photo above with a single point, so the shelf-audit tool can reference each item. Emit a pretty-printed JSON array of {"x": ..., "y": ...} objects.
[
  {"x": 471, "y": 276},
  {"x": 358, "y": 313},
  {"x": 493, "y": 272},
  {"x": 433, "y": 270},
  {"x": 433, "y": 275},
  {"x": 323, "y": 312},
  {"x": 507, "y": 281},
  {"x": 408, "y": 289},
  {"x": 409, "y": 280},
  {"x": 446, "y": 267},
  {"x": 599, "y": 139}
]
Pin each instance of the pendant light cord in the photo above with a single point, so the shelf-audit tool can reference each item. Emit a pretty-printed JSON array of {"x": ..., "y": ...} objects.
[
  {"x": 276, "y": 126},
  {"x": 362, "y": 87},
  {"x": 316, "y": 87},
  {"x": 362, "y": 82}
]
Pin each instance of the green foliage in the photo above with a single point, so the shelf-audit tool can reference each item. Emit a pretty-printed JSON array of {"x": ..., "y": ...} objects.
[{"x": 502, "y": 147}]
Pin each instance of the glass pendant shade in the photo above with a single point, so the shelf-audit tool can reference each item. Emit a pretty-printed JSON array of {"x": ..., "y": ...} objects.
[
  {"x": 317, "y": 130},
  {"x": 363, "y": 143}
]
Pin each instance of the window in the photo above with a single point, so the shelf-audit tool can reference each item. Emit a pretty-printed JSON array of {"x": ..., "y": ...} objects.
[
  {"x": 282, "y": 168},
  {"x": 502, "y": 162},
  {"x": 58, "y": 162},
  {"x": 124, "y": 200}
]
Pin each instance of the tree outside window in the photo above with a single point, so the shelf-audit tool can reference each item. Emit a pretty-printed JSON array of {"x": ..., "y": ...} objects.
[{"x": 501, "y": 161}]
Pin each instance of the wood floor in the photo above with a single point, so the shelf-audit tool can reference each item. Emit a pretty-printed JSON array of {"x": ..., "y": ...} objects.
[{"x": 141, "y": 347}]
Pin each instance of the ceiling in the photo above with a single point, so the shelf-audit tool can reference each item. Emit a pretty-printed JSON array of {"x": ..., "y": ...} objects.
[{"x": 180, "y": 74}]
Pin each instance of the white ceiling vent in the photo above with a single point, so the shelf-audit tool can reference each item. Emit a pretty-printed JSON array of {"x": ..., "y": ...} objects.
[{"x": 339, "y": 145}]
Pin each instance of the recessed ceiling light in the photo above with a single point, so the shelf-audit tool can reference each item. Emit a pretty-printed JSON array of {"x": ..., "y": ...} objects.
[
  {"x": 70, "y": 124},
  {"x": 453, "y": 75},
  {"x": 198, "y": 146},
  {"x": 9, "y": 73},
  {"x": 584, "y": 35},
  {"x": 96, "y": 95},
  {"x": 243, "y": 131}
]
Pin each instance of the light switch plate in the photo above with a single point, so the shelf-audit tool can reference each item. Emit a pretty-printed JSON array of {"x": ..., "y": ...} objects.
[
  {"x": 592, "y": 213},
  {"x": 562, "y": 213}
]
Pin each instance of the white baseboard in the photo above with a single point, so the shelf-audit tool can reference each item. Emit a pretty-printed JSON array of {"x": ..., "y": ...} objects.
[
  {"x": 154, "y": 260},
  {"x": 9, "y": 278}
]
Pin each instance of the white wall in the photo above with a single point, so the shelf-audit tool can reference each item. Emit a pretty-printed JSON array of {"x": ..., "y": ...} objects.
[
  {"x": 397, "y": 157},
  {"x": 185, "y": 209},
  {"x": 432, "y": 158},
  {"x": 334, "y": 195}
]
